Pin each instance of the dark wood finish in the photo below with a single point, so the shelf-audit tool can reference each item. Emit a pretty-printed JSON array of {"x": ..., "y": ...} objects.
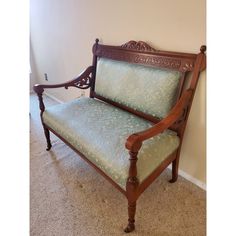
[
  {"x": 131, "y": 220},
  {"x": 42, "y": 108},
  {"x": 47, "y": 135},
  {"x": 175, "y": 166},
  {"x": 143, "y": 54}
]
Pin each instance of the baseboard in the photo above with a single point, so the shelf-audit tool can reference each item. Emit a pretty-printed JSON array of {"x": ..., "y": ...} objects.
[
  {"x": 54, "y": 98},
  {"x": 190, "y": 178},
  {"x": 181, "y": 172}
]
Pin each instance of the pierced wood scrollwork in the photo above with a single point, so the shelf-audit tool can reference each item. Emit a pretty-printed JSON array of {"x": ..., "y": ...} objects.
[
  {"x": 140, "y": 46},
  {"x": 82, "y": 83}
]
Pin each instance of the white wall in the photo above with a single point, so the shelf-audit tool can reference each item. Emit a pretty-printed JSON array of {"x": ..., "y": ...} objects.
[{"x": 33, "y": 70}]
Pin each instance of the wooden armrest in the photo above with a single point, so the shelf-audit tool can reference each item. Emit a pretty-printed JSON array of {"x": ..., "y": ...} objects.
[
  {"x": 134, "y": 141},
  {"x": 83, "y": 81}
]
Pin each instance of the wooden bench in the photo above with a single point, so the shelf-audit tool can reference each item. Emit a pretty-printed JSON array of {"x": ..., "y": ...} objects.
[{"x": 131, "y": 126}]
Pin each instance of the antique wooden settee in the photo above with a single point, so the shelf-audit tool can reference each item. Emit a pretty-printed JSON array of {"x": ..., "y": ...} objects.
[{"x": 132, "y": 125}]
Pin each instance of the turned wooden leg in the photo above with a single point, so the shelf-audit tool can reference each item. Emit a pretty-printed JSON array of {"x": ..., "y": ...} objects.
[
  {"x": 175, "y": 169},
  {"x": 39, "y": 90},
  {"x": 131, "y": 212},
  {"x": 47, "y": 135}
]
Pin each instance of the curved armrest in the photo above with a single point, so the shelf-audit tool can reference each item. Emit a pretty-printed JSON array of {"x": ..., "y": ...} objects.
[
  {"x": 134, "y": 141},
  {"x": 83, "y": 81}
]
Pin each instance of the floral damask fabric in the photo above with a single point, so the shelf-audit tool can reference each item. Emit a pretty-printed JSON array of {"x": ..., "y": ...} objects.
[
  {"x": 146, "y": 89},
  {"x": 99, "y": 131}
]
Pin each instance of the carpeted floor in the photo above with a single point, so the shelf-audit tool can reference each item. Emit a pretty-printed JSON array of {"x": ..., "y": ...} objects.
[{"x": 69, "y": 198}]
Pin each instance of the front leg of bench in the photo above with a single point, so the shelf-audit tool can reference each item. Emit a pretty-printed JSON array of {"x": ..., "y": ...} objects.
[
  {"x": 131, "y": 188},
  {"x": 131, "y": 213},
  {"x": 46, "y": 130}
]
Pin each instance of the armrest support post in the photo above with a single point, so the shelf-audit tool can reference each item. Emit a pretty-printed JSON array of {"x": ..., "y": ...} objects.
[
  {"x": 132, "y": 180},
  {"x": 133, "y": 168},
  {"x": 134, "y": 141},
  {"x": 41, "y": 104}
]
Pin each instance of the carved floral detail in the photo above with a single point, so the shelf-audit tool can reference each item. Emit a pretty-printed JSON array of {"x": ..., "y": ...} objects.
[
  {"x": 82, "y": 83},
  {"x": 159, "y": 61},
  {"x": 187, "y": 67},
  {"x": 140, "y": 46}
]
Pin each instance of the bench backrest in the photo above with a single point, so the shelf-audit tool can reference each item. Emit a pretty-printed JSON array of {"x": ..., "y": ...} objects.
[
  {"x": 146, "y": 89},
  {"x": 142, "y": 80}
]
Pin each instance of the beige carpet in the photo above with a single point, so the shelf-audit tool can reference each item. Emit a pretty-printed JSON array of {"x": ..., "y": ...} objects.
[{"x": 69, "y": 198}]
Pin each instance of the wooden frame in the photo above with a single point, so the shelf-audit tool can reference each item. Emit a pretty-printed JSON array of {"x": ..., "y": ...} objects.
[{"x": 143, "y": 54}]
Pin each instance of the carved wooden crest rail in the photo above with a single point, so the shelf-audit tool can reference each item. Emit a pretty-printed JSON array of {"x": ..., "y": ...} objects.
[{"x": 143, "y": 54}]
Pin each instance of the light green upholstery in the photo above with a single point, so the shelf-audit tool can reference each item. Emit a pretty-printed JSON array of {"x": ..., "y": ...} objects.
[
  {"x": 149, "y": 90},
  {"x": 99, "y": 131}
]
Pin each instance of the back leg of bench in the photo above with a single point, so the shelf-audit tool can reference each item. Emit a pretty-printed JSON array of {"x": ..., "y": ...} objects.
[
  {"x": 175, "y": 169},
  {"x": 47, "y": 135}
]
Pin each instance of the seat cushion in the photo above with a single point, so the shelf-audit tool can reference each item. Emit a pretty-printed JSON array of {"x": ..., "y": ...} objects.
[
  {"x": 146, "y": 89},
  {"x": 99, "y": 131}
]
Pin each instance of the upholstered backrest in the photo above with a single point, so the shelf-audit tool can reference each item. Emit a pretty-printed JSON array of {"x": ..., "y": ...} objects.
[{"x": 149, "y": 90}]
